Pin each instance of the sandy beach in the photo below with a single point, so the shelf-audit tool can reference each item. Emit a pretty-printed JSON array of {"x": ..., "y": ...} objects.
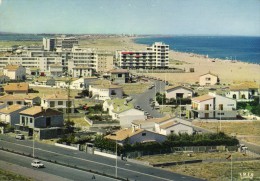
[{"x": 227, "y": 71}]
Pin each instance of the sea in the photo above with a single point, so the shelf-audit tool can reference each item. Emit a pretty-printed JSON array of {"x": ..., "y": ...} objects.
[{"x": 235, "y": 48}]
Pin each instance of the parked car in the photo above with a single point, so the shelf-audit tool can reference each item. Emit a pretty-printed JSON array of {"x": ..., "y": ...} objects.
[
  {"x": 19, "y": 136},
  {"x": 37, "y": 164}
]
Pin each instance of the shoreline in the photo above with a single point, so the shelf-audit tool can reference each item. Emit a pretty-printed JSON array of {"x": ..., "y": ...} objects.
[
  {"x": 229, "y": 72},
  {"x": 197, "y": 54}
]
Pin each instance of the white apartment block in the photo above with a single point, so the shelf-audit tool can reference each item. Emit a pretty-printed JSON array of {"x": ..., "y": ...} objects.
[
  {"x": 43, "y": 63},
  {"x": 83, "y": 62},
  {"x": 156, "y": 56}
]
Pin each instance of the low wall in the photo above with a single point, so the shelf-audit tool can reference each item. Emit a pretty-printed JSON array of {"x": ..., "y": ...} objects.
[
  {"x": 66, "y": 146},
  {"x": 104, "y": 154}
]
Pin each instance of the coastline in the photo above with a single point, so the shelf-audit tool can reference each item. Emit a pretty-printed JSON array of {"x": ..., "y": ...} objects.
[{"x": 228, "y": 71}]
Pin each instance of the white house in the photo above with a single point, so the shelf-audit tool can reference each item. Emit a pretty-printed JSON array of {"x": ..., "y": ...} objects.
[
  {"x": 59, "y": 102},
  {"x": 10, "y": 114},
  {"x": 82, "y": 83},
  {"x": 122, "y": 111},
  {"x": 175, "y": 127},
  {"x": 15, "y": 72},
  {"x": 131, "y": 136},
  {"x": 107, "y": 91},
  {"x": 208, "y": 79},
  {"x": 55, "y": 70},
  {"x": 245, "y": 91},
  {"x": 177, "y": 92},
  {"x": 210, "y": 106}
]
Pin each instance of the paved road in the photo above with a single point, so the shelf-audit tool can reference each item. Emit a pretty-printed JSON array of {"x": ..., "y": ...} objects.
[
  {"x": 22, "y": 165},
  {"x": 132, "y": 171},
  {"x": 142, "y": 100}
]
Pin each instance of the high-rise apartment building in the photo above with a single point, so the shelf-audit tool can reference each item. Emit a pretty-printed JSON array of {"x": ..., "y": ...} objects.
[{"x": 156, "y": 56}]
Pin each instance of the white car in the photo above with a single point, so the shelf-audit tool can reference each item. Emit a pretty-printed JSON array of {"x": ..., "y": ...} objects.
[{"x": 37, "y": 164}]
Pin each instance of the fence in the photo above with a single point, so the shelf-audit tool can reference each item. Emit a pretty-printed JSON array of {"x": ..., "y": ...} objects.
[{"x": 181, "y": 149}]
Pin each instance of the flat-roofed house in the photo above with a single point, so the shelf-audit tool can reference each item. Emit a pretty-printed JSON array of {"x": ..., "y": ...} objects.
[
  {"x": 208, "y": 79},
  {"x": 212, "y": 106},
  {"x": 10, "y": 114},
  {"x": 178, "y": 92},
  {"x": 245, "y": 91},
  {"x": 132, "y": 136},
  {"x": 17, "y": 88},
  {"x": 15, "y": 72},
  {"x": 106, "y": 91},
  {"x": 60, "y": 102},
  {"x": 119, "y": 76}
]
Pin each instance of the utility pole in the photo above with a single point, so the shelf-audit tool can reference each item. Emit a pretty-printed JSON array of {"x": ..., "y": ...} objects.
[{"x": 68, "y": 104}]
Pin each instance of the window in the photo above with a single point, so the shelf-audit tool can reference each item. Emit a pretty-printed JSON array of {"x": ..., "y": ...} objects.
[
  {"x": 23, "y": 120},
  {"x": 143, "y": 134},
  {"x": 208, "y": 78},
  {"x": 220, "y": 107},
  {"x": 120, "y": 75},
  {"x": 31, "y": 120},
  {"x": 52, "y": 103},
  {"x": 60, "y": 103},
  {"x": 68, "y": 103},
  {"x": 10, "y": 103},
  {"x": 206, "y": 107},
  {"x": 19, "y": 102}
]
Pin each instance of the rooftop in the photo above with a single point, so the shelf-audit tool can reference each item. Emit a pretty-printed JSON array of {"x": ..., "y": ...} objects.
[
  {"x": 244, "y": 86},
  {"x": 17, "y": 87},
  {"x": 210, "y": 74},
  {"x": 123, "y": 134},
  {"x": 202, "y": 98},
  {"x": 10, "y": 109},
  {"x": 39, "y": 111},
  {"x": 177, "y": 86},
  {"x": 56, "y": 97},
  {"x": 9, "y": 97},
  {"x": 12, "y": 67},
  {"x": 119, "y": 105},
  {"x": 119, "y": 71}
]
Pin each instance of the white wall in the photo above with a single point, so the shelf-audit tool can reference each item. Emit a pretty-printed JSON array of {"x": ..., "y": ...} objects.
[{"x": 172, "y": 93}]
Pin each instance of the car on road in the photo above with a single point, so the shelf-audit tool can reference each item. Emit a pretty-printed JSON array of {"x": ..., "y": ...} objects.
[
  {"x": 37, "y": 164},
  {"x": 19, "y": 136}
]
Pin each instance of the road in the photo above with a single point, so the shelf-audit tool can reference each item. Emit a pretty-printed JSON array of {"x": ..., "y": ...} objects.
[
  {"x": 82, "y": 160},
  {"x": 22, "y": 164},
  {"x": 142, "y": 100}
]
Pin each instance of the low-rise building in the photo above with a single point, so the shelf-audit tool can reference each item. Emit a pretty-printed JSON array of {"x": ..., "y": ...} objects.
[
  {"x": 55, "y": 70},
  {"x": 208, "y": 79},
  {"x": 212, "y": 106},
  {"x": 10, "y": 114},
  {"x": 245, "y": 91},
  {"x": 29, "y": 100},
  {"x": 15, "y": 72},
  {"x": 122, "y": 111},
  {"x": 44, "y": 123},
  {"x": 178, "y": 92},
  {"x": 59, "y": 102},
  {"x": 119, "y": 76},
  {"x": 17, "y": 88},
  {"x": 106, "y": 91},
  {"x": 132, "y": 136}
]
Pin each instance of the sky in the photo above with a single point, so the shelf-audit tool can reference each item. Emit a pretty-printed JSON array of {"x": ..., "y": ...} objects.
[{"x": 166, "y": 17}]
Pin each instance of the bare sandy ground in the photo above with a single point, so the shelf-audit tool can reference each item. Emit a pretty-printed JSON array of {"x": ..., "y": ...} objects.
[{"x": 227, "y": 71}]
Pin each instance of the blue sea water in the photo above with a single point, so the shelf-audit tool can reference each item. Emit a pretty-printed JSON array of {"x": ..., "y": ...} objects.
[
  {"x": 246, "y": 49},
  {"x": 21, "y": 37}
]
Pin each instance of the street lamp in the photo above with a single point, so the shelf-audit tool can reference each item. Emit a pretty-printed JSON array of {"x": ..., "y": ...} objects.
[{"x": 116, "y": 158}]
